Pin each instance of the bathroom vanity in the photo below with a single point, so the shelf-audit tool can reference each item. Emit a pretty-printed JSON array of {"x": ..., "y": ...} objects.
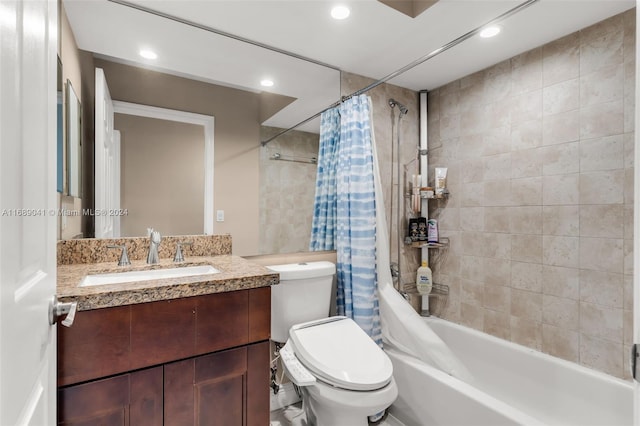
[{"x": 174, "y": 351}]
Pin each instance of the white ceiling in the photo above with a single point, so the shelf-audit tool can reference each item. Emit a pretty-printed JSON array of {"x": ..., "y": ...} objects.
[{"x": 374, "y": 41}]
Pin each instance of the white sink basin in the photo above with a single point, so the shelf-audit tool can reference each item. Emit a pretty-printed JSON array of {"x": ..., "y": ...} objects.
[{"x": 152, "y": 274}]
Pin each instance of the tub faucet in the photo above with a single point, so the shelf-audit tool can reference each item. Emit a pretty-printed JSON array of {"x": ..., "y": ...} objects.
[{"x": 154, "y": 242}]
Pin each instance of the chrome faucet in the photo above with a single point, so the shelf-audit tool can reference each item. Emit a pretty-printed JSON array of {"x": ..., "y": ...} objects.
[
  {"x": 154, "y": 242},
  {"x": 124, "y": 257},
  {"x": 179, "y": 257}
]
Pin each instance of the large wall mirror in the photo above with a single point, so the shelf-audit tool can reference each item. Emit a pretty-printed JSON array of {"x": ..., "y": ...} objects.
[{"x": 262, "y": 195}]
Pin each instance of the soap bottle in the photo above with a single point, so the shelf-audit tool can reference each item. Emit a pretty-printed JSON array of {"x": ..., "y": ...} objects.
[
  {"x": 424, "y": 280},
  {"x": 424, "y": 284}
]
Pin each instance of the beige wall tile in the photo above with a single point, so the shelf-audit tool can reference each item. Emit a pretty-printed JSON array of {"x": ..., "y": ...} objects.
[
  {"x": 526, "y": 163},
  {"x": 604, "y": 254},
  {"x": 497, "y": 298},
  {"x": 497, "y": 140},
  {"x": 601, "y": 322},
  {"x": 497, "y": 245},
  {"x": 561, "y": 97},
  {"x": 627, "y": 251},
  {"x": 497, "y": 219},
  {"x": 604, "y": 85},
  {"x": 606, "y": 221},
  {"x": 526, "y": 304},
  {"x": 602, "y": 288},
  {"x": 497, "y": 324},
  {"x": 561, "y": 220},
  {"x": 497, "y": 193},
  {"x": 497, "y": 272},
  {"x": 560, "y": 159},
  {"x": 528, "y": 134},
  {"x": 603, "y": 119},
  {"x": 526, "y": 107},
  {"x": 526, "y": 220},
  {"x": 526, "y": 191},
  {"x": 629, "y": 143},
  {"x": 561, "y": 189},
  {"x": 561, "y": 128},
  {"x": 602, "y": 355},
  {"x": 472, "y": 268},
  {"x": 526, "y": 248},
  {"x": 601, "y": 45},
  {"x": 560, "y": 342},
  {"x": 497, "y": 167},
  {"x": 526, "y": 276},
  {"x": 602, "y": 153},
  {"x": 605, "y": 187},
  {"x": 472, "y": 194},
  {"x": 526, "y": 332},
  {"x": 560, "y": 281},
  {"x": 471, "y": 218},
  {"x": 628, "y": 186},
  {"x": 526, "y": 71},
  {"x": 561, "y": 251},
  {"x": 472, "y": 316},
  {"x": 605, "y": 153},
  {"x": 472, "y": 170},
  {"x": 560, "y": 312},
  {"x": 561, "y": 59}
]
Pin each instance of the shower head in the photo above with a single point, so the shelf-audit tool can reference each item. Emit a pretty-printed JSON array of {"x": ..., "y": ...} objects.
[{"x": 403, "y": 109}]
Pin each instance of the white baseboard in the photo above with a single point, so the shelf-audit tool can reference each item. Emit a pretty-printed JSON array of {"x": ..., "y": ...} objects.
[{"x": 286, "y": 395}]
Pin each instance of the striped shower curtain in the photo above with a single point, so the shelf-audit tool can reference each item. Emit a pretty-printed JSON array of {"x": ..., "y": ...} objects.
[{"x": 354, "y": 226}]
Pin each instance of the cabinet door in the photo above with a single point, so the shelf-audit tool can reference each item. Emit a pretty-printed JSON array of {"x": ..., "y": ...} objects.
[
  {"x": 128, "y": 399},
  {"x": 227, "y": 388}
]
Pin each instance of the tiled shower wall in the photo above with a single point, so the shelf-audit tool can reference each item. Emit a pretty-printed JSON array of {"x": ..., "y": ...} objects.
[
  {"x": 539, "y": 151},
  {"x": 287, "y": 191}
]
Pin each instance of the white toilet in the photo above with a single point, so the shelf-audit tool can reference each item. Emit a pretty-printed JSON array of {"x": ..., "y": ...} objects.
[{"x": 343, "y": 375}]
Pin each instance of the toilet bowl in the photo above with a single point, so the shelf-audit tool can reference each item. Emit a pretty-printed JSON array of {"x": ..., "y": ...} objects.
[{"x": 343, "y": 375}]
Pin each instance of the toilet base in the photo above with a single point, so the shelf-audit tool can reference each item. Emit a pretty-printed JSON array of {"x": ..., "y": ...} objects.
[{"x": 325, "y": 405}]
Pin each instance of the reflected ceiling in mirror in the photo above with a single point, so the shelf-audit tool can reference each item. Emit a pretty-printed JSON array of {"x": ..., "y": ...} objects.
[{"x": 196, "y": 53}]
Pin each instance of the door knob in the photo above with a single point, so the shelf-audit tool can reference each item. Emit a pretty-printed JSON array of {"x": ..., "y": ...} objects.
[{"x": 58, "y": 309}]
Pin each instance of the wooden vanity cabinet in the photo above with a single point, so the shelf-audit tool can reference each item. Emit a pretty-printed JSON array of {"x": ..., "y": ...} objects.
[{"x": 200, "y": 360}]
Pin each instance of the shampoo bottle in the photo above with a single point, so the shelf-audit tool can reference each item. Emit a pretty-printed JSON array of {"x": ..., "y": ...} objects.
[{"x": 424, "y": 283}]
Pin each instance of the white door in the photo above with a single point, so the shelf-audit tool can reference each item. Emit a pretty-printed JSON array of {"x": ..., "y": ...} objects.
[
  {"x": 106, "y": 163},
  {"x": 636, "y": 234},
  {"x": 28, "y": 68}
]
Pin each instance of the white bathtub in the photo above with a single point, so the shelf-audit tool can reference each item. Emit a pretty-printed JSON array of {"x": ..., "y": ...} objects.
[{"x": 511, "y": 385}]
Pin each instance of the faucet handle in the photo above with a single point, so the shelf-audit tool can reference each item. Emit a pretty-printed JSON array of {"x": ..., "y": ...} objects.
[
  {"x": 179, "y": 257},
  {"x": 124, "y": 257}
]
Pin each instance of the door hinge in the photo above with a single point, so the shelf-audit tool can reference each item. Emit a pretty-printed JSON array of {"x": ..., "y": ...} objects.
[{"x": 634, "y": 361}]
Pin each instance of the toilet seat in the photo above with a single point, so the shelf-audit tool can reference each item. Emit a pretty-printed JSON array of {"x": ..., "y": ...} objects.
[{"x": 341, "y": 354}]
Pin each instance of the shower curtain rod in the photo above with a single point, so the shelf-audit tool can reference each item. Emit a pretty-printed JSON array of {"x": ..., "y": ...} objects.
[{"x": 413, "y": 64}]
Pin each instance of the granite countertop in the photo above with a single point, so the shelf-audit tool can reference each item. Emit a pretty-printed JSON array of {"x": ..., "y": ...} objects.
[{"x": 235, "y": 273}]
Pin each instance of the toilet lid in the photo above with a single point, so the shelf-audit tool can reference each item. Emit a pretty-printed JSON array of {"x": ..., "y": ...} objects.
[{"x": 339, "y": 352}]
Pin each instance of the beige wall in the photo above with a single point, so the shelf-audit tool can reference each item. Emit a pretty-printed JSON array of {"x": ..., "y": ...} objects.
[
  {"x": 236, "y": 139},
  {"x": 162, "y": 176},
  {"x": 68, "y": 226},
  {"x": 540, "y": 156}
]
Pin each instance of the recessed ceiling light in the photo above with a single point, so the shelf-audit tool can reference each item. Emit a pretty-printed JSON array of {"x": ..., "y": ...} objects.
[
  {"x": 266, "y": 82},
  {"x": 148, "y": 54},
  {"x": 340, "y": 12},
  {"x": 491, "y": 31}
]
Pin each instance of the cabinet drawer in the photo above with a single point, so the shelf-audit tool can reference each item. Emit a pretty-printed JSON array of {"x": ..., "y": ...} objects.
[{"x": 109, "y": 341}]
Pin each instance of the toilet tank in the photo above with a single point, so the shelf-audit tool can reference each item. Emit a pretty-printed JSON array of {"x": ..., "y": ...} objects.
[{"x": 304, "y": 294}]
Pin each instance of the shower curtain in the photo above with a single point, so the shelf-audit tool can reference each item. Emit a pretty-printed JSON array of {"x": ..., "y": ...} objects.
[{"x": 346, "y": 148}]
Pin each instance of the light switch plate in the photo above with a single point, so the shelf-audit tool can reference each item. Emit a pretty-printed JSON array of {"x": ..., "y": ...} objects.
[{"x": 220, "y": 215}]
